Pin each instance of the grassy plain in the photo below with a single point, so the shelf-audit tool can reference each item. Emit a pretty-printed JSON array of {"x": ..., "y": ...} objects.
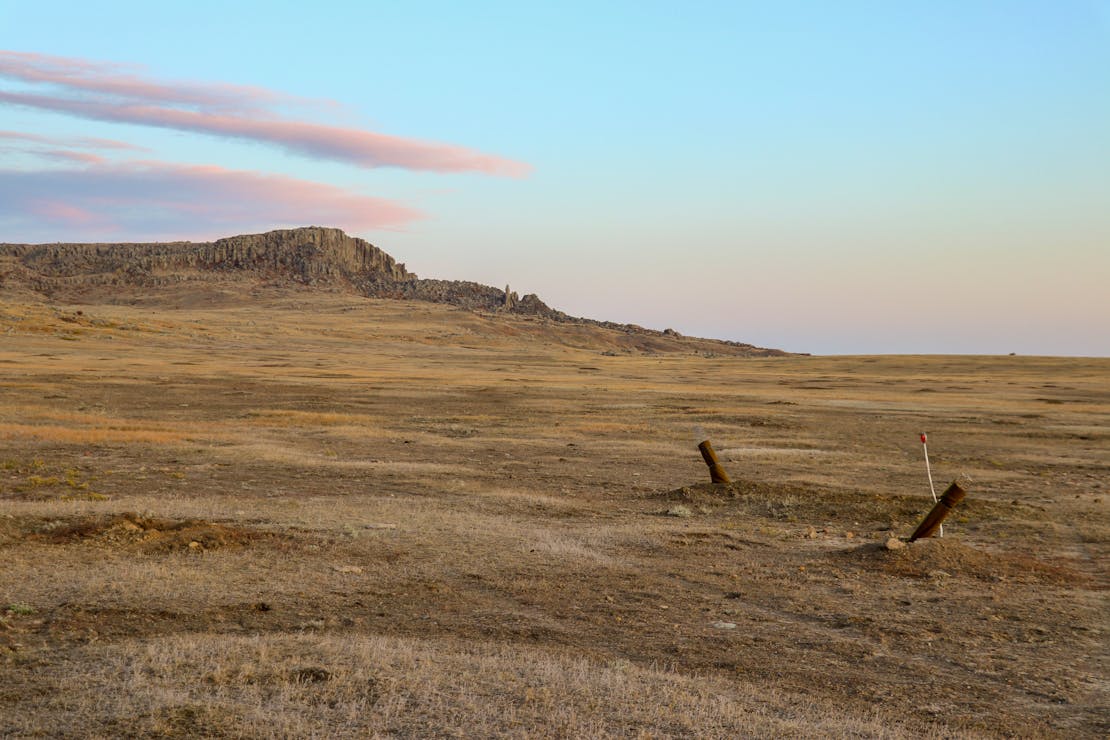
[{"x": 313, "y": 515}]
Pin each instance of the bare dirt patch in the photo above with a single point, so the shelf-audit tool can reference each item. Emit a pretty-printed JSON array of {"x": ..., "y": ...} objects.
[{"x": 142, "y": 533}]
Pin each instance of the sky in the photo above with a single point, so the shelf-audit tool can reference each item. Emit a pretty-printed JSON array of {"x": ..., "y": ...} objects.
[{"x": 836, "y": 178}]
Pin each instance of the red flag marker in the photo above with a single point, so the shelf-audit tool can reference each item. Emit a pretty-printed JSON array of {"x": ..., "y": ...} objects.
[{"x": 929, "y": 472}]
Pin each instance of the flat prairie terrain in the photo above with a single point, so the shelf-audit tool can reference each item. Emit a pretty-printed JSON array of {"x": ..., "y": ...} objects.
[{"x": 313, "y": 515}]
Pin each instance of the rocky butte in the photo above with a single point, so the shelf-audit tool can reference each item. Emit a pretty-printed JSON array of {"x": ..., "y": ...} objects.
[{"x": 313, "y": 256}]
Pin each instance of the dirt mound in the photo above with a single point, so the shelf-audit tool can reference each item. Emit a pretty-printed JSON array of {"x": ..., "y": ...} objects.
[
  {"x": 947, "y": 557},
  {"x": 149, "y": 534}
]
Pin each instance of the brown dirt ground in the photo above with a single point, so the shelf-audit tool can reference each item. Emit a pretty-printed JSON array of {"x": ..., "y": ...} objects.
[{"x": 320, "y": 515}]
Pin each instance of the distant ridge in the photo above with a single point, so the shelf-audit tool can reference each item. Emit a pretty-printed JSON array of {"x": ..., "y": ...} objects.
[{"x": 312, "y": 256}]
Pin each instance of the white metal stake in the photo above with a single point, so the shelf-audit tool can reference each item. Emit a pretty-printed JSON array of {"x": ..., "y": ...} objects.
[{"x": 929, "y": 472}]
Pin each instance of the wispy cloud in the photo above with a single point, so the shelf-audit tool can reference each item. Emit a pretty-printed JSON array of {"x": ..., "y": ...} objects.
[
  {"x": 75, "y": 142},
  {"x": 71, "y": 156},
  {"x": 117, "y": 80},
  {"x": 104, "y": 92},
  {"x": 72, "y": 149},
  {"x": 161, "y": 200}
]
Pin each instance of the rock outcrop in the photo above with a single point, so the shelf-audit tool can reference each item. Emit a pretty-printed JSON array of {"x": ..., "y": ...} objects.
[{"x": 311, "y": 256}]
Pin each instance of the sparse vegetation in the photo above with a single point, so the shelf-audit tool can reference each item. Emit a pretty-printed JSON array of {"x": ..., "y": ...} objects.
[
  {"x": 359, "y": 686},
  {"x": 329, "y": 516}
]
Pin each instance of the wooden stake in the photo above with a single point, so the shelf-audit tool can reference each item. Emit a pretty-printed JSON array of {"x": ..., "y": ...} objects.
[
  {"x": 932, "y": 520},
  {"x": 716, "y": 473}
]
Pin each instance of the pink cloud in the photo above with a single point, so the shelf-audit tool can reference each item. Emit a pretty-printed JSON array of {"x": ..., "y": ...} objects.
[
  {"x": 103, "y": 92},
  {"x": 62, "y": 149},
  {"x": 68, "y": 155},
  {"x": 81, "y": 142},
  {"x": 112, "y": 79},
  {"x": 67, "y": 214},
  {"x": 160, "y": 200}
]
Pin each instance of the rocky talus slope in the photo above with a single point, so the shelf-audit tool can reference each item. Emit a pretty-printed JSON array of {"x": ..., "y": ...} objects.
[{"x": 310, "y": 256}]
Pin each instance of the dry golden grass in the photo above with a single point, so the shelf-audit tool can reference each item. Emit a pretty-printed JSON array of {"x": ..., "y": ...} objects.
[
  {"x": 84, "y": 428},
  {"x": 356, "y": 686},
  {"x": 292, "y": 418},
  {"x": 71, "y": 435},
  {"x": 321, "y": 516}
]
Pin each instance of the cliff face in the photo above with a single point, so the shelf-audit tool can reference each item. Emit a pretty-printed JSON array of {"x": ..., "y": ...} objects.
[
  {"x": 306, "y": 255},
  {"x": 312, "y": 256}
]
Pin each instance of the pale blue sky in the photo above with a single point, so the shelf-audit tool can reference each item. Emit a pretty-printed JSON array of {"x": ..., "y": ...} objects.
[{"x": 826, "y": 177}]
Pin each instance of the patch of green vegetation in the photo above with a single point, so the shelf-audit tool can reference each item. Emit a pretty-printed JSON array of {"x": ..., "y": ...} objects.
[
  {"x": 20, "y": 608},
  {"x": 36, "y": 475},
  {"x": 86, "y": 496},
  {"x": 73, "y": 479}
]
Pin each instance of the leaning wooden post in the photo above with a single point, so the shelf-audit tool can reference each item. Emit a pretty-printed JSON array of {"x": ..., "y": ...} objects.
[
  {"x": 948, "y": 501},
  {"x": 716, "y": 473}
]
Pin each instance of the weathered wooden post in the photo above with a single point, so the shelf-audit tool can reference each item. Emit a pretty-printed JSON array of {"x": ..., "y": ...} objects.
[
  {"x": 948, "y": 501},
  {"x": 716, "y": 473}
]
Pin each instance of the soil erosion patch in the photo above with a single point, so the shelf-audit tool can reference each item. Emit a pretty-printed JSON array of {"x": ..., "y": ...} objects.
[{"x": 148, "y": 534}]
